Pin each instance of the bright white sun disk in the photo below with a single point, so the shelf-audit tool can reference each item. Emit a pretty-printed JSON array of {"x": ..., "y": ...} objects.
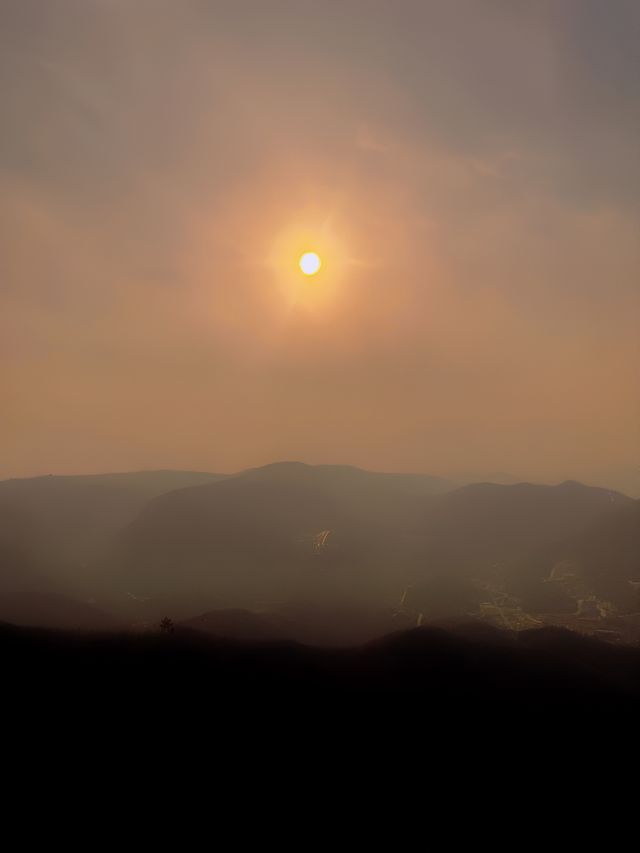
[{"x": 310, "y": 263}]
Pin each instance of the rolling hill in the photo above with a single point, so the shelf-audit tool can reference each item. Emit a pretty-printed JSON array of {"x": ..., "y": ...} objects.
[
  {"x": 607, "y": 556},
  {"x": 296, "y": 532},
  {"x": 54, "y": 528},
  {"x": 486, "y": 524},
  {"x": 342, "y": 548}
]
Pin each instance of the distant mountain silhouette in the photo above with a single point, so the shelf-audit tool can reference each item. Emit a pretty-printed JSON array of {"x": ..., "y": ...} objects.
[
  {"x": 49, "y": 610},
  {"x": 73, "y": 519},
  {"x": 323, "y": 553},
  {"x": 253, "y": 536},
  {"x": 607, "y": 556},
  {"x": 23, "y": 546},
  {"x": 486, "y": 523},
  {"x": 252, "y": 539},
  {"x": 92, "y": 505},
  {"x": 345, "y": 479},
  {"x": 305, "y": 622},
  {"x": 238, "y": 625},
  {"x": 501, "y": 478}
]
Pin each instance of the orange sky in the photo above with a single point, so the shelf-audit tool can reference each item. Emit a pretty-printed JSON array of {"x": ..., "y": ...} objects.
[{"x": 470, "y": 171}]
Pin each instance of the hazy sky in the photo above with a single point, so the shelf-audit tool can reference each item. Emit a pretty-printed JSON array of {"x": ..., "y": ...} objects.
[{"x": 470, "y": 172}]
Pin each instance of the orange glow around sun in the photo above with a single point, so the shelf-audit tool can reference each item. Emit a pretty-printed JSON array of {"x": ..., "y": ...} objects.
[{"x": 309, "y": 264}]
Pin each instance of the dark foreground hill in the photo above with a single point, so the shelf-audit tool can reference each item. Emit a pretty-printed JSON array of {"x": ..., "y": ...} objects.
[{"x": 429, "y": 670}]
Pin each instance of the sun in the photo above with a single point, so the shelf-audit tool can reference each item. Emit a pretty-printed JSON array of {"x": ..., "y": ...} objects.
[{"x": 310, "y": 263}]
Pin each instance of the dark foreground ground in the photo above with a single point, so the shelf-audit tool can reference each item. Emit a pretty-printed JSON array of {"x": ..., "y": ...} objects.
[
  {"x": 184, "y": 674},
  {"x": 426, "y": 708},
  {"x": 415, "y": 721}
]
